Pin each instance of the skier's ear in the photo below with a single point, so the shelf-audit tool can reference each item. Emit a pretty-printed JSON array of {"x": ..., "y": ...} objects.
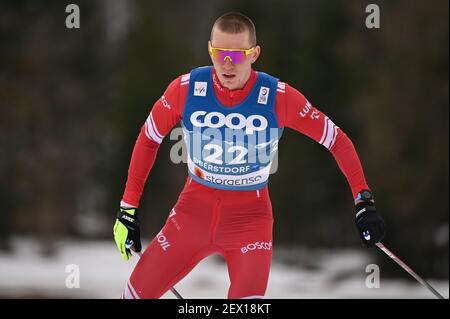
[{"x": 255, "y": 54}]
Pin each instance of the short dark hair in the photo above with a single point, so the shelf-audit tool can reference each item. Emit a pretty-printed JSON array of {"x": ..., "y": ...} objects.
[{"x": 235, "y": 22}]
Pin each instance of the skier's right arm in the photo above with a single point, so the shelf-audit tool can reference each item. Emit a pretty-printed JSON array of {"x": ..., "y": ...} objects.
[{"x": 164, "y": 115}]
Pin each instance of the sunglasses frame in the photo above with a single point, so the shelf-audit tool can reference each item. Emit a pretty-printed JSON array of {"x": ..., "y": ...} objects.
[{"x": 247, "y": 52}]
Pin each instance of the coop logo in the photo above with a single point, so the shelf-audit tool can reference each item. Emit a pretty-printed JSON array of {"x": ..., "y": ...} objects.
[
  {"x": 233, "y": 120},
  {"x": 259, "y": 245}
]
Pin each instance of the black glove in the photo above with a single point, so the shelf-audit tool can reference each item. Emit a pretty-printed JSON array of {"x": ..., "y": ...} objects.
[
  {"x": 127, "y": 233},
  {"x": 369, "y": 223}
]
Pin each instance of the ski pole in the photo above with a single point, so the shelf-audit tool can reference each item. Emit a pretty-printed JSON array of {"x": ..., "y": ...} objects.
[
  {"x": 173, "y": 290},
  {"x": 409, "y": 270}
]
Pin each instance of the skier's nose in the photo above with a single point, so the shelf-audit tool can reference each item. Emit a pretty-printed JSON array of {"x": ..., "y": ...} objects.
[{"x": 228, "y": 65}]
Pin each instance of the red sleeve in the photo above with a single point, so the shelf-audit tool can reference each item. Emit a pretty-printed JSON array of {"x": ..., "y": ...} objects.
[
  {"x": 165, "y": 114},
  {"x": 295, "y": 111}
]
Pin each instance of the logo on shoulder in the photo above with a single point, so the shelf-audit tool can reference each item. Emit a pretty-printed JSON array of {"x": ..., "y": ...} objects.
[
  {"x": 366, "y": 235},
  {"x": 200, "y": 88},
  {"x": 165, "y": 103},
  {"x": 263, "y": 95}
]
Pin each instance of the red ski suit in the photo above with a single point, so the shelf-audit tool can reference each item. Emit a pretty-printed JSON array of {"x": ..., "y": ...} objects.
[{"x": 205, "y": 220}]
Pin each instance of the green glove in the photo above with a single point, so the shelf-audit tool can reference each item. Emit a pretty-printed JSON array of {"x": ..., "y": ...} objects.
[{"x": 127, "y": 233}]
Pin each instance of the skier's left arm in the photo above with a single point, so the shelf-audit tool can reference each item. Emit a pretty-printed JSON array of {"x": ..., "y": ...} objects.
[{"x": 296, "y": 112}]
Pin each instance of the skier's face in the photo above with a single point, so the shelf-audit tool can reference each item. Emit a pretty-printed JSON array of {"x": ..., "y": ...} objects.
[{"x": 232, "y": 74}]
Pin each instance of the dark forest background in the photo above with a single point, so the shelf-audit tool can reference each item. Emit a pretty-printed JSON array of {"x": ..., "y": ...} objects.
[{"x": 72, "y": 102}]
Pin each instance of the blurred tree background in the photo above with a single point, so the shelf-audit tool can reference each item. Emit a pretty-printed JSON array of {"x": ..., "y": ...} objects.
[{"x": 72, "y": 102}]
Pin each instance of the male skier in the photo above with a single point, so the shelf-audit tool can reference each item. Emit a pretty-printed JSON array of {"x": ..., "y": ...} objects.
[{"x": 232, "y": 118}]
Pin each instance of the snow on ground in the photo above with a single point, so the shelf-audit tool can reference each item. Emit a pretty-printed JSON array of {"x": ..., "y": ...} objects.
[{"x": 103, "y": 273}]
